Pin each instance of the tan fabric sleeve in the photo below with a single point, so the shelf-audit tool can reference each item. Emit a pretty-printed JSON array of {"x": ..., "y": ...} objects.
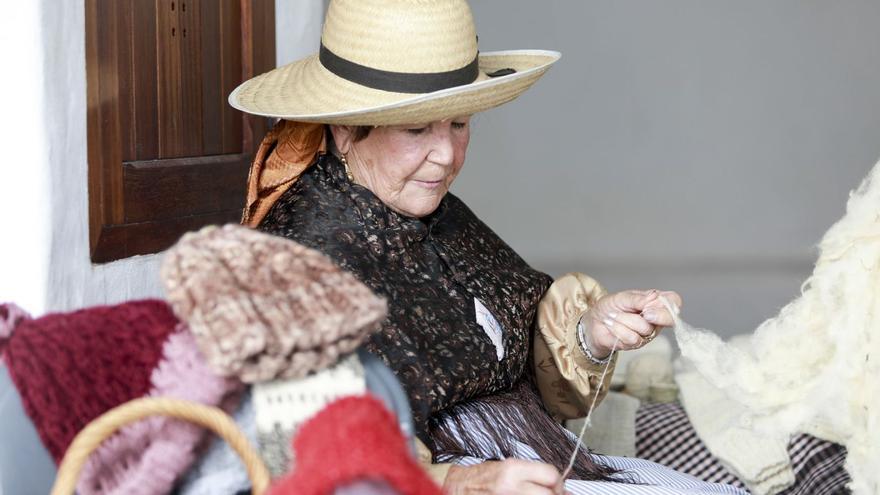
[
  {"x": 567, "y": 380},
  {"x": 437, "y": 472}
]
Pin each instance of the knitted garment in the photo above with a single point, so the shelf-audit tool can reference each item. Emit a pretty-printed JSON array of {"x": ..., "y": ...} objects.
[
  {"x": 10, "y": 316},
  {"x": 220, "y": 470},
  {"x": 147, "y": 457},
  {"x": 263, "y": 307},
  {"x": 70, "y": 368},
  {"x": 352, "y": 440},
  {"x": 282, "y": 406}
]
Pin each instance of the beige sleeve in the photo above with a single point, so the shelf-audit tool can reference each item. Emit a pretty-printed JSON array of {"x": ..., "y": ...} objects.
[
  {"x": 567, "y": 380},
  {"x": 437, "y": 472}
]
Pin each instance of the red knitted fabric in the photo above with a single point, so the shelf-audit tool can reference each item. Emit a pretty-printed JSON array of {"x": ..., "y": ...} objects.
[
  {"x": 70, "y": 368},
  {"x": 354, "y": 438}
]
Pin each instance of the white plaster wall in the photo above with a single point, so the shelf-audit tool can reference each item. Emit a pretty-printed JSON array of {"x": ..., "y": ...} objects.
[
  {"x": 702, "y": 146},
  {"x": 297, "y": 28},
  {"x": 44, "y": 259},
  {"x": 24, "y": 172}
]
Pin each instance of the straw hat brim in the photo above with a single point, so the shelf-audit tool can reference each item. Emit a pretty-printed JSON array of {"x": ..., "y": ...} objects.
[{"x": 305, "y": 91}]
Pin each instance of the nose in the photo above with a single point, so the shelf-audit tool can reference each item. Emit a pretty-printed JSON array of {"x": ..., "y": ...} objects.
[{"x": 442, "y": 148}]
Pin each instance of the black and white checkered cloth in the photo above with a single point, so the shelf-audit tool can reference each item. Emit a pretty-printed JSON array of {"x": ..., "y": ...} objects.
[{"x": 665, "y": 435}]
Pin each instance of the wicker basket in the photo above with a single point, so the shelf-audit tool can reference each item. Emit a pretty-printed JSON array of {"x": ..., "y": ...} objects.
[{"x": 107, "y": 424}]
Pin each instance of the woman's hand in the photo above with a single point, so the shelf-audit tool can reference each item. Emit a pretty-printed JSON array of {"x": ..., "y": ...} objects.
[
  {"x": 633, "y": 316},
  {"x": 507, "y": 477}
]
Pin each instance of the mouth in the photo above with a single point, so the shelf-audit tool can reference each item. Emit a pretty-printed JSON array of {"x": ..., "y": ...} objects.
[{"x": 429, "y": 184}]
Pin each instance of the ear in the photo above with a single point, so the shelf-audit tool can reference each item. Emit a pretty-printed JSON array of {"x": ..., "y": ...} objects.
[{"x": 343, "y": 136}]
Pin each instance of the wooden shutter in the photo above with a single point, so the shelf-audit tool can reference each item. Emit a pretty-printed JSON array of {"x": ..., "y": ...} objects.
[{"x": 167, "y": 154}]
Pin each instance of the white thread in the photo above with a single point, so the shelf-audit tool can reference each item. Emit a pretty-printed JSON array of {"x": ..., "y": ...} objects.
[
  {"x": 577, "y": 445},
  {"x": 673, "y": 310}
]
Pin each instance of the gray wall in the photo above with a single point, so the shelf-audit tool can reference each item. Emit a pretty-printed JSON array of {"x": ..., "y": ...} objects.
[{"x": 703, "y": 146}]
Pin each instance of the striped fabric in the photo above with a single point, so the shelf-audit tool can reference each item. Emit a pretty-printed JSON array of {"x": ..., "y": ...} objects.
[
  {"x": 664, "y": 435},
  {"x": 638, "y": 476}
]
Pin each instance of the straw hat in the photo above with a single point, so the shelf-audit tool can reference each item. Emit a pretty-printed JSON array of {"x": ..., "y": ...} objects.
[{"x": 385, "y": 62}]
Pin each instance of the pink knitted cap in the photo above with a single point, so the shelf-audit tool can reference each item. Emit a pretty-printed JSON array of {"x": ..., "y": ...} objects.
[{"x": 264, "y": 307}]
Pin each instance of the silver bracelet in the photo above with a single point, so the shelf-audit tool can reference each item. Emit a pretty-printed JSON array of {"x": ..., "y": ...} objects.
[{"x": 582, "y": 343}]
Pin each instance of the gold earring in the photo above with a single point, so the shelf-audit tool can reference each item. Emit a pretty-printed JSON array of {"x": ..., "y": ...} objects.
[{"x": 347, "y": 168}]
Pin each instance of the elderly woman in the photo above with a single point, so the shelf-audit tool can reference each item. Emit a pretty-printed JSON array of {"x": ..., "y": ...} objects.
[{"x": 492, "y": 353}]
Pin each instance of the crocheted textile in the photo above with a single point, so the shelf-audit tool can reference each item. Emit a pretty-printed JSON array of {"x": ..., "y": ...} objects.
[
  {"x": 363, "y": 441},
  {"x": 147, "y": 457},
  {"x": 70, "y": 368},
  {"x": 263, "y": 307},
  {"x": 10, "y": 316}
]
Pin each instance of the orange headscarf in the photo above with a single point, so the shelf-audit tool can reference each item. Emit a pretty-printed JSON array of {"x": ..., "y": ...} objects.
[{"x": 284, "y": 154}]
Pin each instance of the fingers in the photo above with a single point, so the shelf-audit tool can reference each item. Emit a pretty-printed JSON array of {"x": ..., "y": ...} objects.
[
  {"x": 657, "y": 313},
  {"x": 537, "y": 473},
  {"x": 511, "y": 476},
  {"x": 631, "y": 331},
  {"x": 631, "y": 322},
  {"x": 631, "y": 318},
  {"x": 530, "y": 478},
  {"x": 630, "y": 301}
]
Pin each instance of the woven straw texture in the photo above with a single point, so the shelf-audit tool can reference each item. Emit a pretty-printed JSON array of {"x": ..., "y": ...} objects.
[
  {"x": 402, "y": 36},
  {"x": 104, "y": 426}
]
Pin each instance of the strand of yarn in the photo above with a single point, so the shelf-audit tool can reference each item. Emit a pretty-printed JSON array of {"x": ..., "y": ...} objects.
[
  {"x": 587, "y": 420},
  {"x": 673, "y": 310}
]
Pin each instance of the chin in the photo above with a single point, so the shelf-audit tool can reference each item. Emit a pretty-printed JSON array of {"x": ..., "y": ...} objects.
[{"x": 422, "y": 209}]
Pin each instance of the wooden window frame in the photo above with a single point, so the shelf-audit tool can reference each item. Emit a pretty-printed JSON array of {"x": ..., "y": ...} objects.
[{"x": 143, "y": 207}]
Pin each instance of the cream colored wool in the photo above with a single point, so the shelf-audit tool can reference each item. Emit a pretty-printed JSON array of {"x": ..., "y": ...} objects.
[{"x": 815, "y": 367}]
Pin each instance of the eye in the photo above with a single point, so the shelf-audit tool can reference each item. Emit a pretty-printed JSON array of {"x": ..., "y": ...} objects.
[
  {"x": 459, "y": 125},
  {"x": 416, "y": 130}
]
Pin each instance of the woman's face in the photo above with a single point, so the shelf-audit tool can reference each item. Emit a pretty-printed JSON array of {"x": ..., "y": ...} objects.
[{"x": 408, "y": 167}]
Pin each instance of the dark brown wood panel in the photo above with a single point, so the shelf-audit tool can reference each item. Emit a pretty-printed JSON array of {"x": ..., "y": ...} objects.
[
  {"x": 96, "y": 154},
  {"x": 180, "y": 77},
  {"x": 190, "y": 110},
  {"x": 146, "y": 112},
  {"x": 166, "y": 152},
  {"x": 121, "y": 241},
  {"x": 258, "y": 27},
  {"x": 163, "y": 189},
  {"x": 231, "y": 36},
  {"x": 213, "y": 100},
  {"x": 104, "y": 112},
  {"x": 125, "y": 74},
  {"x": 167, "y": 76}
]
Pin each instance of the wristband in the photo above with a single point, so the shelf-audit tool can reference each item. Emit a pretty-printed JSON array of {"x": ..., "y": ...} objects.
[{"x": 582, "y": 343}]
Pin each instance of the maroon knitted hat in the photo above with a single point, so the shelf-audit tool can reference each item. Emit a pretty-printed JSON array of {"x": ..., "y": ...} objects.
[{"x": 69, "y": 368}]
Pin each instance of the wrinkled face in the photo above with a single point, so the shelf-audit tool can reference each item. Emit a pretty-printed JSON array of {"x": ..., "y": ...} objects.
[{"x": 409, "y": 167}]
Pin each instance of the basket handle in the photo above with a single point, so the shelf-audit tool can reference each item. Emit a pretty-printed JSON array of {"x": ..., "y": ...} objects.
[{"x": 87, "y": 440}]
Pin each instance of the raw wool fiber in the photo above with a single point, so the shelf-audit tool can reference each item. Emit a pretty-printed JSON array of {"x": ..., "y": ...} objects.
[{"x": 815, "y": 367}]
